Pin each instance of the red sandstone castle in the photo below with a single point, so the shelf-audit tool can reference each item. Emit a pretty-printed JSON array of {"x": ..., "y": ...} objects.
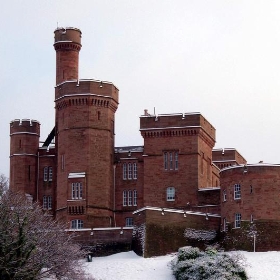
[{"x": 176, "y": 180}]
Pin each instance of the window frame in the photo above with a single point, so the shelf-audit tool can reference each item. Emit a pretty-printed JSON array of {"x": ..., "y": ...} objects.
[
  {"x": 224, "y": 195},
  {"x": 237, "y": 192},
  {"x": 77, "y": 190},
  {"x": 134, "y": 197},
  {"x": 124, "y": 197},
  {"x": 170, "y": 194},
  {"x": 129, "y": 198},
  {"x": 129, "y": 222},
  {"x": 135, "y": 171},
  {"x": 124, "y": 171},
  {"x": 77, "y": 224},
  {"x": 237, "y": 220},
  {"x": 129, "y": 171},
  {"x": 45, "y": 174}
]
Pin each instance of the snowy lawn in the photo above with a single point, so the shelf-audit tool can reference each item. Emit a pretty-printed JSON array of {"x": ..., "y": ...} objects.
[{"x": 128, "y": 266}]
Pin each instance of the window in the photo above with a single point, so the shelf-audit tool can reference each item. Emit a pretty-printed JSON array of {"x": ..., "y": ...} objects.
[
  {"x": 77, "y": 191},
  {"x": 237, "y": 220},
  {"x": 237, "y": 191},
  {"x": 48, "y": 173},
  {"x": 45, "y": 174},
  {"x": 124, "y": 198},
  {"x": 128, "y": 222},
  {"x": 47, "y": 202},
  {"x": 77, "y": 224},
  {"x": 129, "y": 177},
  {"x": 135, "y": 171},
  {"x": 225, "y": 224},
  {"x": 124, "y": 171},
  {"x": 129, "y": 198},
  {"x": 170, "y": 160},
  {"x": 170, "y": 194},
  {"x": 134, "y": 198},
  {"x": 224, "y": 195},
  {"x": 176, "y": 160}
]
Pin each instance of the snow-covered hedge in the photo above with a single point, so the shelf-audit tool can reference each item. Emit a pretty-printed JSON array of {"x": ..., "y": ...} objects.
[{"x": 193, "y": 264}]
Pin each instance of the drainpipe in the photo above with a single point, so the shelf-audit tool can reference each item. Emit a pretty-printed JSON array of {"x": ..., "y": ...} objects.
[
  {"x": 38, "y": 172},
  {"x": 114, "y": 194}
]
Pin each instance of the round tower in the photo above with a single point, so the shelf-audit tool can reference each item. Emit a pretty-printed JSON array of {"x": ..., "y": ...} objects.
[
  {"x": 24, "y": 143},
  {"x": 67, "y": 44}
]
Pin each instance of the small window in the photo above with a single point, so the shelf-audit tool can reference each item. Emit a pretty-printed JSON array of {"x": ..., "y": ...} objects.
[
  {"x": 225, "y": 224},
  {"x": 47, "y": 202},
  {"x": 129, "y": 198},
  {"x": 129, "y": 171},
  {"x": 124, "y": 171},
  {"x": 170, "y": 194},
  {"x": 128, "y": 222},
  {"x": 45, "y": 174},
  {"x": 124, "y": 198},
  {"x": 237, "y": 220},
  {"x": 170, "y": 161},
  {"x": 50, "y": 174},
  {"x": 135, "y": 171},
  {"x": 134, "y": 198},
  {"x": 224, "y": 195},
  {"x": 77, "y": 224},
  {"x": 237, "y": 191},
  {"x": 176, "y": 160}
]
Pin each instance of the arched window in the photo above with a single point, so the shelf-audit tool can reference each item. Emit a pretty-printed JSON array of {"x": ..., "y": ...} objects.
[
  {"x": 77, "y": 224},
  {"x": 170, "y": 194}
]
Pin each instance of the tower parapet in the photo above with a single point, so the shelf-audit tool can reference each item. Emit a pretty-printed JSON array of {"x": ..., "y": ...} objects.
[{"x": 67, "y": 44}]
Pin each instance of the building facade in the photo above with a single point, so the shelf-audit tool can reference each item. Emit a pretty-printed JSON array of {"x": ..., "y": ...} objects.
[{"x": 79, "y": 176}]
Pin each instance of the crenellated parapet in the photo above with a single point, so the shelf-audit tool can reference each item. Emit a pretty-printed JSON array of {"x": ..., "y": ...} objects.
[{"x": 24, "y": 126}]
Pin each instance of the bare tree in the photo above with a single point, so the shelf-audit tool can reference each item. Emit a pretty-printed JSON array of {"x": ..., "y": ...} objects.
[
  {"x": 33, "y": 245},
  {"x": 4, "y": 184}
]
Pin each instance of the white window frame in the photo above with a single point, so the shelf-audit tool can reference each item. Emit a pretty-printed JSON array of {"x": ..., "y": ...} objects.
[
  {"x": 124, "y": 198},
  {"x": 77, "y": 224},
  {"x": 45, "y": 202},
  {"x": 135, "y": 198},
  {"x": 77, "y": 190},
  {"x": 124, "y": 171},
  {"x": 170, "y": 194},
  {"x": 225, "y": 224},
  {"x": 129, "y": 198},
  {"x": 49, "y": 202},
  {"x": 50, "y": 173},
  {"x": 237, "y": 191},
  {"x": 237, "y": 220},
  {"x": 129, "y": 222},
  {"x": 135, "y": 171},
  {"x": 129, "y": 173},
  {"x": 45, "y": 173}
]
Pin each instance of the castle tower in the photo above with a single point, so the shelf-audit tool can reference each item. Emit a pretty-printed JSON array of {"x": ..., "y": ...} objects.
[
  {"x": 24, "y": 143},
  {"x": 85, "y": 113},
  {"x": 177, "y": 158}
]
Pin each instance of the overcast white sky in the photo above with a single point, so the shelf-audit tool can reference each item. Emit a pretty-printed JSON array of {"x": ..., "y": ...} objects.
[{"x": 220, "y": 58}]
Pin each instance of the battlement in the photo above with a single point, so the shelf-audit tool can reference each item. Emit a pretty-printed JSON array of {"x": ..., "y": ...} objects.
[
  {"x": 25, "y": 126},
  {"x": 177, "y": 121},
  {"x": 64, "y": 36}
]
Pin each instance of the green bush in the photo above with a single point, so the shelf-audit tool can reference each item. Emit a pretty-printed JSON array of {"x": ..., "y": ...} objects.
[{"x": 193, "y": 264}]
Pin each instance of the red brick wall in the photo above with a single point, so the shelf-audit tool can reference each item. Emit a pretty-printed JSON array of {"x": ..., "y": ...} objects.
[{"x": 24, "y": 143}]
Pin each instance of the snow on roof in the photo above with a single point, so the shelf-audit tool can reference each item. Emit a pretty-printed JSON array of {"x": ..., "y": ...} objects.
[
  {"x": 175, "y": 211},
  {"x": 77, "y": 175},
  {"x": 127, "y": 149},
  {"x": 209, "y": 189}
]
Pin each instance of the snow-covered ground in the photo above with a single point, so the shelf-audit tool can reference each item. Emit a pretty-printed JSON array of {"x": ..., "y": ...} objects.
[{"x": 128, "y": 266}]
